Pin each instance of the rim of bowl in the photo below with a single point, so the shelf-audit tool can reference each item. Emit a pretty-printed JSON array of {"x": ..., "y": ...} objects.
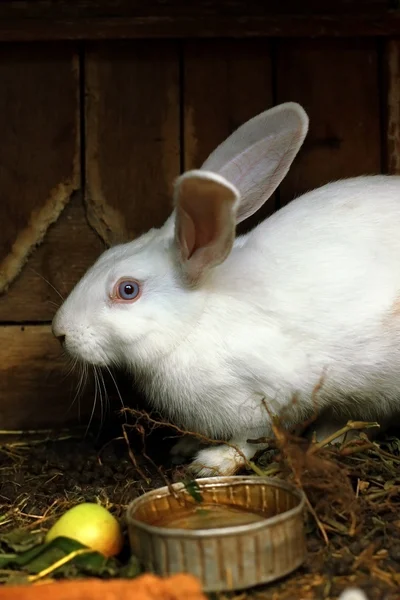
[{"x": 217, "y": 531}]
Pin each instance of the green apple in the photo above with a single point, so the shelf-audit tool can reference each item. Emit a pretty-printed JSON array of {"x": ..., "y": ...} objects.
[{"x": 91, "y": 525}]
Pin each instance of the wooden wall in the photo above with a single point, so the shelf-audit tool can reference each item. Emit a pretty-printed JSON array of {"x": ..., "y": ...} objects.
[{"x": 94, "y": 133}]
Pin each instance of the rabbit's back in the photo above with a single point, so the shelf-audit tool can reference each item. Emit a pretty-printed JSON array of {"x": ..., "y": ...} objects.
[
  {"x": 353, "y": 211},
  {"x": 334, "y": 249},
  {"x": 331, "y": 284}
]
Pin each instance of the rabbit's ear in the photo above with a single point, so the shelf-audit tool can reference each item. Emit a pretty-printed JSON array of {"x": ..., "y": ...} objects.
[
  {"x": 205, "y": 221},
  {"x": 257, "y": 156}
]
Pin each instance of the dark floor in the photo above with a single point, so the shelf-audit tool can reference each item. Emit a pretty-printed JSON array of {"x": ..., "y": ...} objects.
[{"x": 354, "y": 494}]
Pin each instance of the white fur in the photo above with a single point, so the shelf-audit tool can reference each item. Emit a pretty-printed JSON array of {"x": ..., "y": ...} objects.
[
  {"x": 313, "y": 289},
  {"x": 352, "y": 594}
]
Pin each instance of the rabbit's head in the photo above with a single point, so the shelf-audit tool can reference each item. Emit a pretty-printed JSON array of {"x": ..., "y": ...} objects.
[{"x": 140, "y": 299}]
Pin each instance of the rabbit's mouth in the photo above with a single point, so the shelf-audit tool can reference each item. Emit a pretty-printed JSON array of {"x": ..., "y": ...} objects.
[
  {"x": 82, "y": 345},
  {"x": 89, "y": 353}
]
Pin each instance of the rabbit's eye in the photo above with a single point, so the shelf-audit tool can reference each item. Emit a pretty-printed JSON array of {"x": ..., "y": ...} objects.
[{"x": 127, "y": 289}]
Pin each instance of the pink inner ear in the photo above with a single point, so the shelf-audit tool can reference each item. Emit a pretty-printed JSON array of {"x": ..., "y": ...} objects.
[
  {"x": 185, "y": 233},
  {"x": 204, "y": 212},
  {"x": 205, "y": 219}
]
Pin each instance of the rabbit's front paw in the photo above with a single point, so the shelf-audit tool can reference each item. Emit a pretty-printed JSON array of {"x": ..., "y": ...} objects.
[
  {"x": 219, "y": 460},
  {"x": 228, "y": 458},
  {"x": 185, "y": 448}
]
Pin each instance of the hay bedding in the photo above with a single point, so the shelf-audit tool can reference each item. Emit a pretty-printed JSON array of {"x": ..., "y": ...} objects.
[{"x": 353, "y": 491}]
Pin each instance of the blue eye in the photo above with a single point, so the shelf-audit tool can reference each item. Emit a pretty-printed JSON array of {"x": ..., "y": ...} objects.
[{"x": 128, "y": 289}]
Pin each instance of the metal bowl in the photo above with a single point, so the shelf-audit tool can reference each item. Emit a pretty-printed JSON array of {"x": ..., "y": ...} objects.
[{"x": 225, "y": 558}]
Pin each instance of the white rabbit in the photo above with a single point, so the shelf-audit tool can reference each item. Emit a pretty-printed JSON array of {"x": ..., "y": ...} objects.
[{"x": 215, "y": 326}]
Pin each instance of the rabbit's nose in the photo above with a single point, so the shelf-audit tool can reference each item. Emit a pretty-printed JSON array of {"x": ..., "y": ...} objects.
[{"x": 58, "y": 330}]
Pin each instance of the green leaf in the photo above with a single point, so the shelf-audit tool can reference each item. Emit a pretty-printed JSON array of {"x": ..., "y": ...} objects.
[
  {"x": 95, "y": 564},
  {"x": 193, "y": 488},
  {"x": 42, "y": 557},
  {"x": 20, "y": 540},
  {"x": 6, "y": 559}
]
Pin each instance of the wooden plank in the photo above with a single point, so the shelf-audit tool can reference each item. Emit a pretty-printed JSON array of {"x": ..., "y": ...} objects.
[
  {"x": 82, "y": 9},
  {"x": 392, "y": 62},
  {"x": 39, "y": 153},
  {"x": 132, "y": 136},
  {"x": 25, "y": 20},
  {"x": 337, "y": 82},
  {"x": 69, "y": 248},
  {"x": 34, "y": 391},
  {"x": 225, "y": 84}
]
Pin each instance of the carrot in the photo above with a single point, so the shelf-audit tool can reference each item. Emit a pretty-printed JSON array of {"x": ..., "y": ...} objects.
[{"x": 145, "y": 587}]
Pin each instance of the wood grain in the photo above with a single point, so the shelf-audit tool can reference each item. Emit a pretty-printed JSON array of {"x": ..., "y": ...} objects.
[
  {"x": 34, "y": 389},
  {"x": 225, "y": 84},
  {"x": 39, "y": 153},
  {"x": 69, "y": 248},
  {"x": 392, "y": 62},
  {"x": 129, "y": 19},
  {"x": 132, "y": 136},
  {"x": 337, "y": 82}
]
